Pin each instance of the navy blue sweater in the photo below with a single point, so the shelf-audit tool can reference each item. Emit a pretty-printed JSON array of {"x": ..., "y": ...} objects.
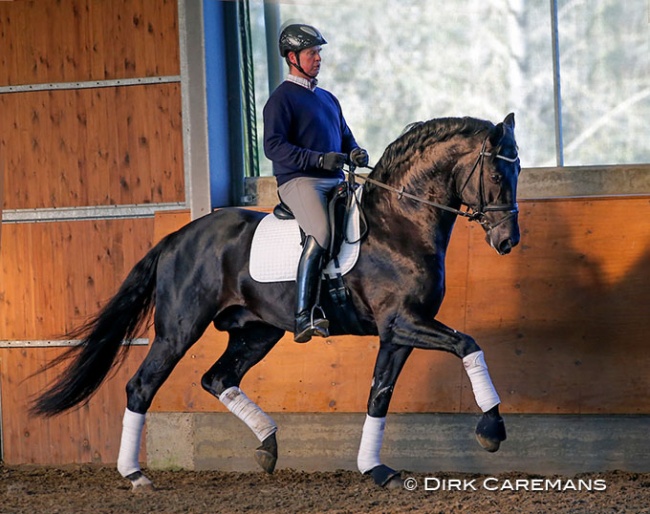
[{"x": 299, "y": 126}]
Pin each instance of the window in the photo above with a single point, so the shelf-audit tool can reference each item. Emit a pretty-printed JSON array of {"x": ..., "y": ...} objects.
[
  {"x": 393, "y": 62},
  {"x": 605, "y": 78}
]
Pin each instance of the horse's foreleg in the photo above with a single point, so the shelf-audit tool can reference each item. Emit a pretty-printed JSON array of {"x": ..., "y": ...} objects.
[
  {"x": 433, "y": 335},
  {"x": 390, "y": 361},
  {"x": 246, "y": 347},
  {"x": 491, "y": 429}
]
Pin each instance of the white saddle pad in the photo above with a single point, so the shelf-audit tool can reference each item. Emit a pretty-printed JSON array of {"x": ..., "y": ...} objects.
[{"x": 276, "y": 249}]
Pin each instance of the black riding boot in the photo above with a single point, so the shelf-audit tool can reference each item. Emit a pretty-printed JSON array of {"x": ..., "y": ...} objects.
[{"x": 309, "y": 320}]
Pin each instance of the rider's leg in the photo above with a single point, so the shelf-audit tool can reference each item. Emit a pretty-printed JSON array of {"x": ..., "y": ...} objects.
[
  {"x": 309, "y": 321},
  {"x": 307, "y": 198}
]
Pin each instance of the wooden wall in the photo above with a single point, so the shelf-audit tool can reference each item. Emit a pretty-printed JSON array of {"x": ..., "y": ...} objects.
[
  {"x": 90, "y": 147},
  {"x": 54, "y": 275},
  {"x": 563, "y": 322},
  {"x": 78, "y": 147},
  {"x": 48, "y": 41},
  {"x": 2, "y": 190}
]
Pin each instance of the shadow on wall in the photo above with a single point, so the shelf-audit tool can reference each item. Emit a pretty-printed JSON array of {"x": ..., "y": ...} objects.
[{"x": 565, "y": 324}]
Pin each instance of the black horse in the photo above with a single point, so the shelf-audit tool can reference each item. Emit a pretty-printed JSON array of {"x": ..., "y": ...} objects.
[{"x": 200, "y": 275}]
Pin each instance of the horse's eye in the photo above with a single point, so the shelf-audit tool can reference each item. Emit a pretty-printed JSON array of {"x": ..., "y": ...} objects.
[{"x": 494, "y": 177}]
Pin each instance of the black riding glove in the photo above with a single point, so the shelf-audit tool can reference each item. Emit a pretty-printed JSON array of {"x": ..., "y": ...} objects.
[
  {"x": 359, "y": 157},
  {"x": 331, "y": 161}
]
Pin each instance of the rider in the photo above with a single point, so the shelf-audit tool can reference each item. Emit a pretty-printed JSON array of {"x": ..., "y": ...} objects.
[{"x": 308, "y": 141}]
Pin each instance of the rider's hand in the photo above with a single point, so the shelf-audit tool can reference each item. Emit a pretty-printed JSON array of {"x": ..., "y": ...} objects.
[
  {"x": 359, "y": 157},
  {"x": 331, "y": 161}
]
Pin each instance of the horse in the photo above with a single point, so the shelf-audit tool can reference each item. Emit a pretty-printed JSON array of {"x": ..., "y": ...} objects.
[{"x": 430, "y": 175}]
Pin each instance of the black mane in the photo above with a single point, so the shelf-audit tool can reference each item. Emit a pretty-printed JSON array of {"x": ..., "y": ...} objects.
[{"x": 420, "y": 135}]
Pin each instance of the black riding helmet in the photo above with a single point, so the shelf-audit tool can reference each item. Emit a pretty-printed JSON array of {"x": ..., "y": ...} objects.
[{"x": 298, "y": 37}]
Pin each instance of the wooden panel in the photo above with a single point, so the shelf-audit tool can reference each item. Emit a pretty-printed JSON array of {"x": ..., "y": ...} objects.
[
  {"x": 81, "y": 40},
  {"x": 562, "y": 321},
  {"x": 89, "y": 434},
  {"x": 54, "y": 275},
  {"x": 72, "y": 148},
  {"x": 2, "y": 189},
  {"x": 92, "y": 147}
]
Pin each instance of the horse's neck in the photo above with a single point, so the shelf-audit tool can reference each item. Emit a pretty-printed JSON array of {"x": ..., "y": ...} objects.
[
  {"x": 415, "y": 223},
  {"x": 413, "y": 226}
]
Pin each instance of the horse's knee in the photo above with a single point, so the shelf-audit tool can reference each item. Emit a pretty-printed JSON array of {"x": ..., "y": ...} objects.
[
  {"x": 216, "y": 383},
  {"x": 211, "y": 384}
]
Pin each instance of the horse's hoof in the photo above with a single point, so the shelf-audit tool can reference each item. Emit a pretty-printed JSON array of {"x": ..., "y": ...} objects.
[
  {"x": 491, "y": 430},
  {"x": 488, "y": 444},
  {"x": 140, "y": 483},
  {"x": 395, "y": 482},
  {"x": 386, "y": 477},
  {"x": 267, "y": 454}
]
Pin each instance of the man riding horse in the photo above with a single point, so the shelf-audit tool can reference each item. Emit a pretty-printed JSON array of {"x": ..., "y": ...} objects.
[{"x": 308, "y": 140}]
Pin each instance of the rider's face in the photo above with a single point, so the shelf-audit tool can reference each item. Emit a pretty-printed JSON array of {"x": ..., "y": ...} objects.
[{"x": 309, "y": 61}]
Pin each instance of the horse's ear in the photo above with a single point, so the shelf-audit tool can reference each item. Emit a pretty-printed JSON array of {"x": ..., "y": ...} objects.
[
  {"x": 500, "y": 129},
  {"x": 497, "y": 134}
]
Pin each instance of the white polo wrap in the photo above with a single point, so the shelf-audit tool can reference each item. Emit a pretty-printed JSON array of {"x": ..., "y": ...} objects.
[
  {"x": 245, "y": 409},
  {"x": 372, "y": 438},
  {"x": 127, "y": 460},
  {"x": 477, "y": 371}
]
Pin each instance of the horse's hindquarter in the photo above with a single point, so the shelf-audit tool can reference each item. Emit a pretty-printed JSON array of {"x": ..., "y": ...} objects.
[{"x": 207, "y": 261}]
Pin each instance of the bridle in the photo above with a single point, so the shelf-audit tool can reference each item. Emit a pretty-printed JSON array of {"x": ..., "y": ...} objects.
[{"x": 474, "y": 212}]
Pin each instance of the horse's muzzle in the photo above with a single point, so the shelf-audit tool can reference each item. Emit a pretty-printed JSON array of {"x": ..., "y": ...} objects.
[{"x": 504, "y": 235}]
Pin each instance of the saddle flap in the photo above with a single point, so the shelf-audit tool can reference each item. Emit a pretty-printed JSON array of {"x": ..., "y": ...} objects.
[{"x": 276, "y": 249}]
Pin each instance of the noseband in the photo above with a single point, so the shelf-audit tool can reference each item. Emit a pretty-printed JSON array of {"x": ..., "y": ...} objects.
[
  {"x": 473, "y": 213},
  {"x": 479, "y": 212}
]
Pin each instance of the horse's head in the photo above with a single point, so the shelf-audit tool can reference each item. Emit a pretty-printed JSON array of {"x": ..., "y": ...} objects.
[{"x": 489, "y": 187}]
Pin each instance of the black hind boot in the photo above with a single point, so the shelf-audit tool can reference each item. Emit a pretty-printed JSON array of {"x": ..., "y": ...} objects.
[{"x": 310, "y": 319}]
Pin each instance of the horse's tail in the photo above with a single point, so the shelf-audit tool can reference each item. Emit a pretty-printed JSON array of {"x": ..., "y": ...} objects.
[{"x": 121, "y": 320}]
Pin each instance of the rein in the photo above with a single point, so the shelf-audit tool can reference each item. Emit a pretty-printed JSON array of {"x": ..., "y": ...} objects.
[{"x": 478, "y": 213}]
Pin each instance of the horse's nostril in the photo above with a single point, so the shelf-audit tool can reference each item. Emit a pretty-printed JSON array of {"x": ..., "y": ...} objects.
[{"x": 505, "y": 247}]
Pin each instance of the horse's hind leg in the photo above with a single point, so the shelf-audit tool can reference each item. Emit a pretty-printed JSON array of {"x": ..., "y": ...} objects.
[
  {"x": 390, "y": 361},
  {"x": 246, "y": 347},
  {"x": 170, "y": 344}
]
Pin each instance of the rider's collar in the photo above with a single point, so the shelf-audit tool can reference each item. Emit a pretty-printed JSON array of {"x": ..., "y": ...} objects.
[{"x": 301, "y": 81}]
